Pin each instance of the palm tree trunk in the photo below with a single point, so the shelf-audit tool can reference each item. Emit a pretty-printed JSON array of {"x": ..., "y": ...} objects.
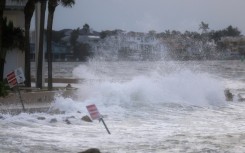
[
  {"x": 28, "y": 10},
  {"x": 2, "y": 59},
  {"x": 51, "y": 8},
  {"x": 40, "y": 53}
]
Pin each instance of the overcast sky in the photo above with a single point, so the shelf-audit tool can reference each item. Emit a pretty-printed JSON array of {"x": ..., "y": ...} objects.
[{"x": 145, "y": 15}]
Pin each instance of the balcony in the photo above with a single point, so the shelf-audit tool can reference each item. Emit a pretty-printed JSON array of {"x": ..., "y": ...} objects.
[{"x": 15, "y": 4}]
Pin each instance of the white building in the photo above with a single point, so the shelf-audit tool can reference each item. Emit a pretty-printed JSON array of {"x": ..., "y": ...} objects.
[{"x": 130, "y": 46}]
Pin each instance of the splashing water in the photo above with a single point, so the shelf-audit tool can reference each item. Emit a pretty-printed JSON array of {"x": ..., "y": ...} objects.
[
  {"x": 150, "y": 107},
  {"x": 154, "y": 87}
]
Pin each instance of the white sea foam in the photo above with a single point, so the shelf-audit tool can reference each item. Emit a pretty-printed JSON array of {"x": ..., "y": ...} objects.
[
  {"x": 183, "y": 87},
  {"x": 149, "y": 108}
]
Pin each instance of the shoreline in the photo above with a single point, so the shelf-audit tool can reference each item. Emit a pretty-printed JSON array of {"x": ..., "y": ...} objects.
[{"x": 34, "y": 101}]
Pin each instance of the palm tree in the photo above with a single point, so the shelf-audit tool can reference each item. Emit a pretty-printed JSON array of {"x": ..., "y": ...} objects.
[
  {"x": 204, "y": 27},
  {"x": 2, "y": 6},
  {"x": 28, "y": 10},
  {"x": 51, "y": 8},
  {"x": 13, "y": 38},
  {"x": 40, "y": 52},
  {"x": 86, "y": 28}
]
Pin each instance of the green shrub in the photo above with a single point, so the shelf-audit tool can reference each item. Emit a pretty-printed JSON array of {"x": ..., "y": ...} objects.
[{"x": 3, "y": 90}]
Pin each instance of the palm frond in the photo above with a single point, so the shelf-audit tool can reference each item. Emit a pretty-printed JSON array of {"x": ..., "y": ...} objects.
[{"x": 67, "y": 3}]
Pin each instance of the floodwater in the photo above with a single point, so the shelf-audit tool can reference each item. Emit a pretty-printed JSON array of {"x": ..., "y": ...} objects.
[{"x": 149, "y": 107}]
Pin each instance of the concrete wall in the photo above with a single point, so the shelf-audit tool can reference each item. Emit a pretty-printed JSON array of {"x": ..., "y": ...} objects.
[{"x": 14, "y": 60}]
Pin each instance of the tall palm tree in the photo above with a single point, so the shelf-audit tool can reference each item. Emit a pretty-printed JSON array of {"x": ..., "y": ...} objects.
[
  {"x": 204, "y": 27},
  {"x": 52, "y": 4},
  {"x": 40, "y": 52},
  {"x": 2, "y": 6},
  {"x": 28, "y": 10}
]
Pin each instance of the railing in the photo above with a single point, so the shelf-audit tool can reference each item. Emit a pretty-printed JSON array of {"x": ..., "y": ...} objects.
[{"x": 15, "y": 4}]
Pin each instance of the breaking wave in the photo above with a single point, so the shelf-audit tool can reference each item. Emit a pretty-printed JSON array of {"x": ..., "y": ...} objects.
[{"x": 185, "y": 87}]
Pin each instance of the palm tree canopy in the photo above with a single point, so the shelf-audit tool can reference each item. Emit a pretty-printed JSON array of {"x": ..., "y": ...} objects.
[
  {"x": 13, "y": 37},
  {"x": 204, "y": 27},
  {"x": 67, "y": 3}
]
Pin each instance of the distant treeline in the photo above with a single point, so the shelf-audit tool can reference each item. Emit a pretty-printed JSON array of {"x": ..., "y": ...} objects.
[{"x": 180, "y": 44}]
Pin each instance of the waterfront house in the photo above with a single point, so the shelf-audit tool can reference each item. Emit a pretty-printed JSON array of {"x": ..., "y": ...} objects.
[
  {"x": 60, "y": 50},
  {"x": 233, "y": 47}
]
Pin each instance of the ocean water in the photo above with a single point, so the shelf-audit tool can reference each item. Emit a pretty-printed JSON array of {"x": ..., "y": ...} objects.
[{"x": 149, "y": 107}]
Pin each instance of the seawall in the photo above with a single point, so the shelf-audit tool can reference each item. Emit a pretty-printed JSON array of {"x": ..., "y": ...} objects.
[{"x": 34, "y": 101}]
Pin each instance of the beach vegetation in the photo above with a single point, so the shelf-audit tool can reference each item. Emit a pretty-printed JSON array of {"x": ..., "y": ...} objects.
[
  {"x": 13, "y": 38},
  {"x": 230, "y": 31},
  {"x": 3, "y": 89}
]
